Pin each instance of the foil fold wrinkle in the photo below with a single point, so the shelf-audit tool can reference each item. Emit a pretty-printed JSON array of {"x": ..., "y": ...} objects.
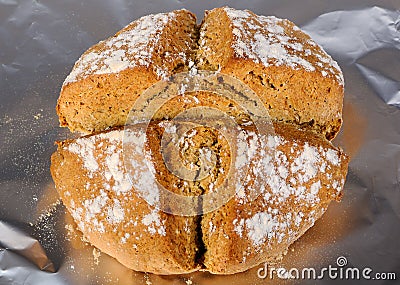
[
  {"x": 17, "y": 241},
  {"x": 350, "y": 35}
]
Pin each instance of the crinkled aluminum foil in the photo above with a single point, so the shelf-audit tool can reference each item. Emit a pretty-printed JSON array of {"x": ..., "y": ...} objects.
[{"x": 40, "y": 41}]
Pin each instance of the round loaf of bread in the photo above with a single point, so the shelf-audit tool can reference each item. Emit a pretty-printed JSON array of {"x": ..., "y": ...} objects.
[{"x": 286, "y": 170}]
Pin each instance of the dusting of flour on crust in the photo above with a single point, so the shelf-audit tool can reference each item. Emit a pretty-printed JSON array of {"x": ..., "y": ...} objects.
[
  {"x": 129, "y": 48},
  {"x": 105, "y": 150},
  {"x": 267, "y": 40},
  {"x": 284, "y": 180}
]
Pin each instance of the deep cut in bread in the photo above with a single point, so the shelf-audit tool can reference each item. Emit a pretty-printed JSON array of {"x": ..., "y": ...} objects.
[
  {"x": 270, "y": 175},
  {"x": 294, "y": 77},
  {"x": 295, "y": 176}
]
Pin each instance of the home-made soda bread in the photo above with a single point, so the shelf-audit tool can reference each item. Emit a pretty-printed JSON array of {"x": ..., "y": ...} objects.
[
  {"x": 295, "y": 175},
  {"x": 282, "y": 168},
  {"x": 294, "y": 77}
]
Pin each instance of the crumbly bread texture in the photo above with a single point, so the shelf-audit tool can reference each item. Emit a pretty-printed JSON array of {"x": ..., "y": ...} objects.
[
  {"x": 109, "y": 76},
  {"x": 294, "y": 77},
  {"x": 295, "y": 174}
]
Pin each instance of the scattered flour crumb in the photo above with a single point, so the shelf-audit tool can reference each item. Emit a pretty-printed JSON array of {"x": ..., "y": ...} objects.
[{"x": 96, "y": 256}]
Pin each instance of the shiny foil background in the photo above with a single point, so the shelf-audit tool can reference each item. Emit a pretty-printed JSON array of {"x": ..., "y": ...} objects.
[{"x": 41, "y": 40}]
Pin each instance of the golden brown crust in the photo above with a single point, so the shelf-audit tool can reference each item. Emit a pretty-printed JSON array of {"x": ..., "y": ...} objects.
[
  {"x": 294, "y": 77},
  {"x": 300, "y": 176},
  {"x": 295, "y": 176},
  {"x": 110, "y": 213},
  {"x": 297, "y": 81},
  {"x": 286, "y": 175},
  {"x": 109, "y": 77}
]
